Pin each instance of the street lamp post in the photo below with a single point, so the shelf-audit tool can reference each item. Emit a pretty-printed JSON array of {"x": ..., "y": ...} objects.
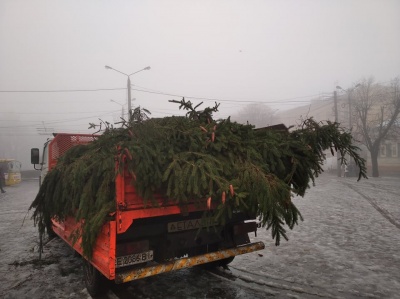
[
  {"x": 128, "y": 85},
  {"x": 338, "y": 164},
  {"x": 122, "y": 108},
  {"x": 349, "y": 91}
]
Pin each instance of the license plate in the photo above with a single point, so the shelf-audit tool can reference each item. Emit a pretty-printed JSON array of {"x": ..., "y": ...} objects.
[
  {"x": 133, "y": 259},
  {"x": 190, "y": 224}
]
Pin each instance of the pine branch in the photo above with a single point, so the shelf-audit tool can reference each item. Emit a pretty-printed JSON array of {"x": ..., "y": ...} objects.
[{"x": 191, "y": 158}]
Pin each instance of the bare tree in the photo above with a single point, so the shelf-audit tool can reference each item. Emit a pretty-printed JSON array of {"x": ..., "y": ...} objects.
[
  {"x": 257, "y": 114},
  {"x": 376, "y": 112}
]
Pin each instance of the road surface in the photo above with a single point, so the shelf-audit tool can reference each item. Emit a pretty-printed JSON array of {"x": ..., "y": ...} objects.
[{"x": 346, "y": 247}]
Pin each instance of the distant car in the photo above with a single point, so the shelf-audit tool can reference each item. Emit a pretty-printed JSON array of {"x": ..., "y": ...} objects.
[{"x": 12, "y": 171}]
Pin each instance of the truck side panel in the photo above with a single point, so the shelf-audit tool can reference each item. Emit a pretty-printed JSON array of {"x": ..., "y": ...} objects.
[{"x": 104, "y": 249}]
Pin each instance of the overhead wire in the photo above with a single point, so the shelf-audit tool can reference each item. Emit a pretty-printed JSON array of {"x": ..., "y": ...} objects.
[
  {"x": 61, "y": 90},
  {"x": 56, "y": 121},
  {"x": 161, "y": 93},
  {"x": 52, "y": 113},
  {"x": 235, "y": 103},
  {"x": 232, "y": 101}
]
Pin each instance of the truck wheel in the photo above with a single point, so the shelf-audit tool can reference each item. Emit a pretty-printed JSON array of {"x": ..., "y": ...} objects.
[
  {"x": 95, "y": 282},
  {"x": 119, "y": 287},
  {"x": 221, "y": 263},
  {"x": 51, "y": 233},
  {"x": 226, "y": 261}
]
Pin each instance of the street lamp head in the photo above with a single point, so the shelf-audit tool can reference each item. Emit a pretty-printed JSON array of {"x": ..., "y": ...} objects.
[
  {"x": 128, "y": 84},
  {"x": 349, "y": 89},
  {"x": 116, "y": 102}
]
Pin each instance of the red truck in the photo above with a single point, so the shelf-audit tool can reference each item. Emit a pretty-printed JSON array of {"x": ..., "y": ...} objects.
[{"x": 141, "y": 240}]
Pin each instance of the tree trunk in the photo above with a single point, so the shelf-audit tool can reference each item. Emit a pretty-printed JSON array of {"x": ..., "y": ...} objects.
[{"x": 374, "y": 162}]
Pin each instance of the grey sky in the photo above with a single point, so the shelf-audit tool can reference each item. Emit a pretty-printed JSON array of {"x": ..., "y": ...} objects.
[{"x": 282, "y": 52}]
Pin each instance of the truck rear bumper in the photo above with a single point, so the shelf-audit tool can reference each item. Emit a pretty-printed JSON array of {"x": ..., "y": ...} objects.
[{"x": 186, "y": 262}]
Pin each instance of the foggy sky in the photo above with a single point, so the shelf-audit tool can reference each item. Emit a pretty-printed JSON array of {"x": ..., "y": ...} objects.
[{"x": 280, "y": 52}]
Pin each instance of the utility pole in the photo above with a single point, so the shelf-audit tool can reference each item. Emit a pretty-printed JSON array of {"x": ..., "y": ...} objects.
[
  {"x": 335, "y": 101},
  {"x": 129, "y": 98},
  {"x": 350, "y": 116},
  {"x": 339, "y": 171}
]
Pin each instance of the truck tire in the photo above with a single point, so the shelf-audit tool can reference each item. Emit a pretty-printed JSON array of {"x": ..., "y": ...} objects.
[
  {"x": 50, "y": 233},
  {"x": 221, "y": 263},
  {"x": 226, "y": 262},
  {"x": 96, "y": 284}
]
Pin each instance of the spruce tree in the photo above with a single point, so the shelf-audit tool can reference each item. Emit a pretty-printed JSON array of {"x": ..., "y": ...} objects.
[{"x": 191, "y": 158}]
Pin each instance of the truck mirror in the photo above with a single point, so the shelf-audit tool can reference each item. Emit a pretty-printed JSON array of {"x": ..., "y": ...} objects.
[{"x": 34, "y": 155}]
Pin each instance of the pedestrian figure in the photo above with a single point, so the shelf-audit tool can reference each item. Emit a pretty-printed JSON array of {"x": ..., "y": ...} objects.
[{"x": 2, "y": 179}]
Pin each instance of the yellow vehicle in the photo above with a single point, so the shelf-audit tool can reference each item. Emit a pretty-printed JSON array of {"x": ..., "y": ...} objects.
[{"x": 12, "y": 171}]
